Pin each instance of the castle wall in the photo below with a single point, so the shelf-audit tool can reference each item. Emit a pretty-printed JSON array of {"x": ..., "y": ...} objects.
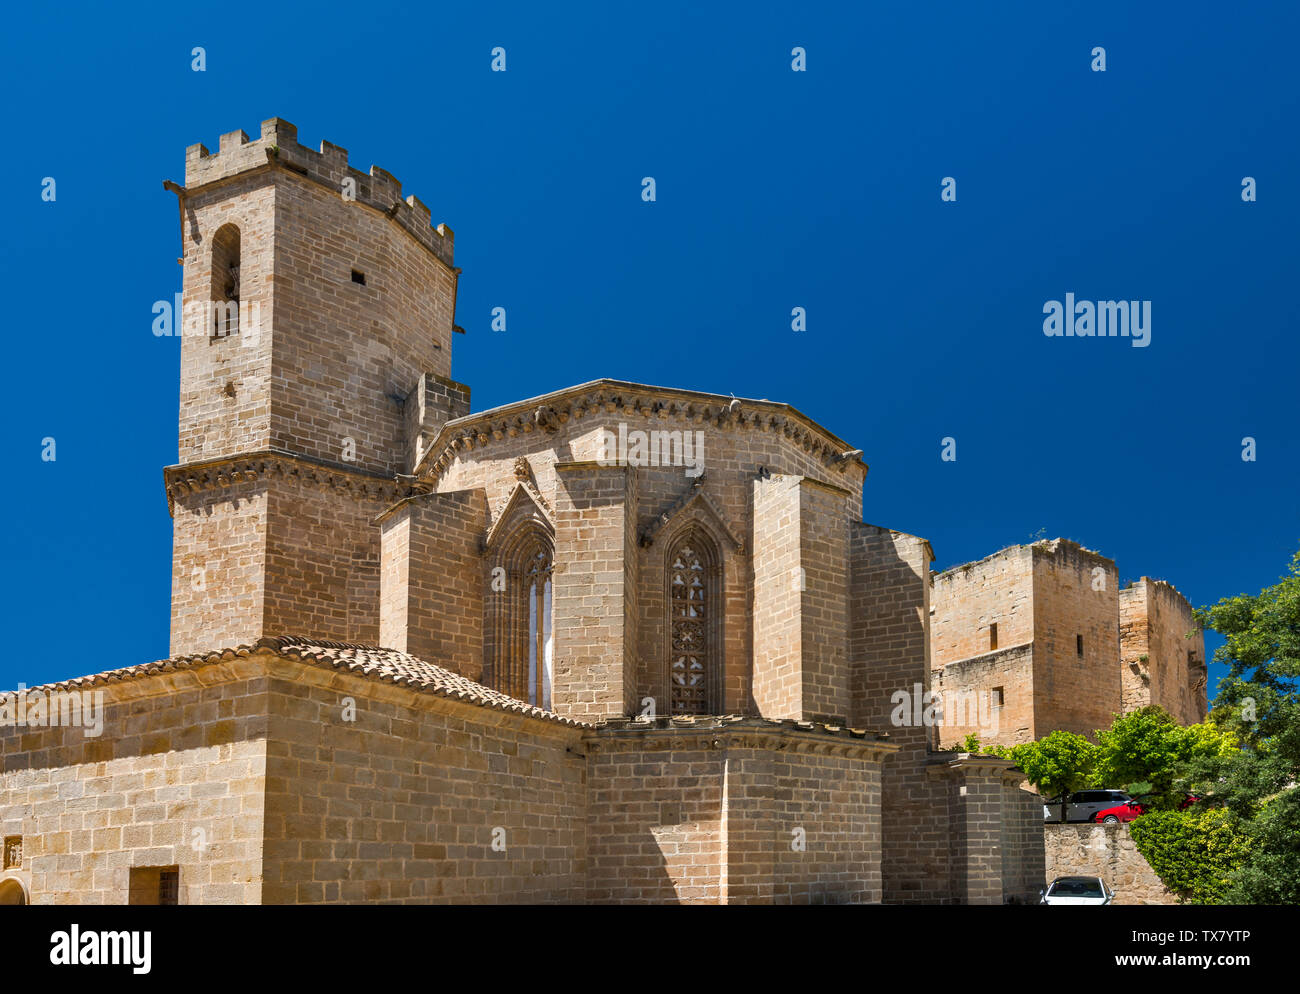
[
  {"x": 1075, "y": 593},
  {"x": 404, "y": 804},
  {"x": 1155, "y": 620},
  {"x": 969, "y": 690},
  {"x": 967, "y": 600},
  {"x": 175, "y": 779}
]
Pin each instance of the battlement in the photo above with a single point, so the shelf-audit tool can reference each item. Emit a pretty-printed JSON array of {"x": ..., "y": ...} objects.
[
  {"x": 278, "y": 146},
  {"x": 1069, "y": 551},
  {"x": 1148, "y": 589}
]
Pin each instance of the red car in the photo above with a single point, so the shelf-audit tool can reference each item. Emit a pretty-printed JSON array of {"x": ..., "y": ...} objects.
[{"x": 1131, "y": 809}]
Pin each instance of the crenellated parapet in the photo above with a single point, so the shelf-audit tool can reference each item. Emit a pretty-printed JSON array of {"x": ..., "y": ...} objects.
[{"x": 277, "y": 147}]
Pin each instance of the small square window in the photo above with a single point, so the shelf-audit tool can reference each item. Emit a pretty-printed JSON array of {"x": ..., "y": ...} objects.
[
  {"x": 155, "y": 885},
  {"x": 358, "y": 277}
]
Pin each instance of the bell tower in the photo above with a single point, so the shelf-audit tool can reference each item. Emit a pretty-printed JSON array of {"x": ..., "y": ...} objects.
[{"x": 318, "y": 307}]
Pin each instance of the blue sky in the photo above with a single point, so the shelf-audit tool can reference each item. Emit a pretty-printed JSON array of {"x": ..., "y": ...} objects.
[{"x": 775, "y": 189}]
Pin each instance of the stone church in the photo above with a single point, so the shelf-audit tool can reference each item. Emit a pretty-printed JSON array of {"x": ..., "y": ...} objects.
[{"x": 614, "y": 644}]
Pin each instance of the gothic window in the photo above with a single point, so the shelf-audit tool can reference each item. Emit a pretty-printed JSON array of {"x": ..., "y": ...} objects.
[
  {"x": 521, "y": 642},
  {"x": 225, "y": 281},
  {"x": 693, "y": 615}
]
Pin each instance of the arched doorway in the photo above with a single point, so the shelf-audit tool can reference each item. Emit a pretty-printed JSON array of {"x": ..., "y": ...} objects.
[{"x": 11, "y": 892}]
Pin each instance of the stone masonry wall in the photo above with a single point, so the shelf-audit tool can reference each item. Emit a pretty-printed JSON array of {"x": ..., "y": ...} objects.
[
  {"x": 595, "y": 663},
  {"x": 1075, "y": 594},
  {"x": 1155, "y": 621},
  {"x": 322, "y": 562},
  {"x": 968, "y": 600},
  {"x": 730, "y": 815},
  {"x": 218, "y": 557},
  {"x": 890, "y": 653},
  {"x": 969, "y": 690},
  {"x": 175, "y": 779},
  {"x": 404, "y": 804},
  {"x": 778, "y": 628},
  {"x": 433, "y": 580},
  {"x": 824, "y": 515},
  {"x": 1105, "y": 851}
]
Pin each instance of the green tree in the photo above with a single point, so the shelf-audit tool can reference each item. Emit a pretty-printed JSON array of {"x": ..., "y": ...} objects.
[
  {"x": 1059, "y": 763},
  {"x": 1144, "y": 751},
  {"x": 1258, "y": 703}
]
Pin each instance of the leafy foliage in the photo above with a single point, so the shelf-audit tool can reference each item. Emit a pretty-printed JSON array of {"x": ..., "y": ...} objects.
[
  {"x": 1058, "y": 763},
  {"x": 1259, "y": 704},
  {"x": 1145, "y": 749},
  {"x": 1194, "y": 853}
]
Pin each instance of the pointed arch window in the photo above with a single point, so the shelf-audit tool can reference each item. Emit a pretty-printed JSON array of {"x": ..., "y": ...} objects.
[
  {"x": 522, "y": 639},
  {"x": 694, "y": 611},
  {"x": 225, "y": 282}
]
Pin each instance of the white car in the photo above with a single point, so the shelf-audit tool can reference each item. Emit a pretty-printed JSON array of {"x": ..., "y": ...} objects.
[{"x": 1076, "y": 890}]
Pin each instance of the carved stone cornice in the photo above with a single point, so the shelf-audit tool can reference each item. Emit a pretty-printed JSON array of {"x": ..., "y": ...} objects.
[
  {"x": 735, "y": 732},
  {"x": 547, "y": 414},
  {"x": 229, "y": 471}
]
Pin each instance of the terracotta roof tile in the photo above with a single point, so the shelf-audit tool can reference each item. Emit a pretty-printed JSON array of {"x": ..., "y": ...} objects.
[{"x": 372, "y": 662}]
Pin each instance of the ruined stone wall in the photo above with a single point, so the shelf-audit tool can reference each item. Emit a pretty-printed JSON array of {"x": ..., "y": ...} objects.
[
  {"x": 1159, "y": 663},
  {"x": 968, "y": 600},
  {"x": 175, "y": 778},
  {"x": 1105, "y": 851}
]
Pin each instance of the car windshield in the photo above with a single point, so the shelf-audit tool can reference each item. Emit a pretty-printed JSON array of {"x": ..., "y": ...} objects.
[{"x": 1077, "y": 887}]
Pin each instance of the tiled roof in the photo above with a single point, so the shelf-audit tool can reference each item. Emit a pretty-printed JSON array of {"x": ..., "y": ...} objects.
[{"x": 372, "y": 662}]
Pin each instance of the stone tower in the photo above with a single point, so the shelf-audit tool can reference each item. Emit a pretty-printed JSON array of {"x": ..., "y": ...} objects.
[{"x": 319, "y": 308}]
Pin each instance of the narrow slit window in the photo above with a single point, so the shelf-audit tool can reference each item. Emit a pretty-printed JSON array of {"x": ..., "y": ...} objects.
[
  {"x": 993, "y": 636},
  {"x": 1078, "y": 645},
  {"x": 996, "y": 698}
]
